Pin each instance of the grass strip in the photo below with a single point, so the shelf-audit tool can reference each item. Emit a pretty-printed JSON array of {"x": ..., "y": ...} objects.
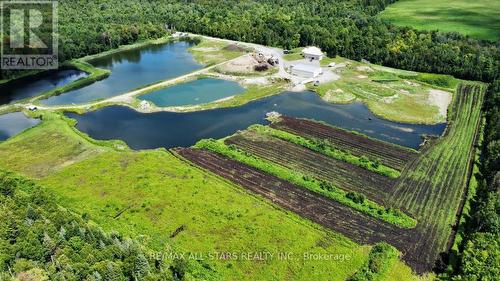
[
  {"x": 295, "y": 54},
  {"x": 326, "y": 148},
  {"x": 95, "y": 74},
  {"x": 351, "y": 199},
  {"x": 253, "y": 92}
]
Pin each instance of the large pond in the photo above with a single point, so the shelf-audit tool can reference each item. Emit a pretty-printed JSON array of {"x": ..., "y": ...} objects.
[
  {"x": 34, "y": 85},
  {"x": 131, "y": 69},
  {"x": 170, "y": 129},
  {"x": 194, "y": 92},
  {"x": 13, "y": 123}
]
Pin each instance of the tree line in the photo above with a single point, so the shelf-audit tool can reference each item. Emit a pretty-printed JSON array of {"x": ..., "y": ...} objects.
[{"x": 347, "y": 28}]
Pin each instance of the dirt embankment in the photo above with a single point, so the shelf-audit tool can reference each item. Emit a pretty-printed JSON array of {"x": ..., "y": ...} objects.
[{"x": 441, "y": 99}]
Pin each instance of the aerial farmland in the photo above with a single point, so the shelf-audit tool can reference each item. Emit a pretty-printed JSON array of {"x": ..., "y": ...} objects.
[{"x": 173, "y": 153}]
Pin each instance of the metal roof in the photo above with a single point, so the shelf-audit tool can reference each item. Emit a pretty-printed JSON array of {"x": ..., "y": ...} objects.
[{"x": 312, "y": 51}]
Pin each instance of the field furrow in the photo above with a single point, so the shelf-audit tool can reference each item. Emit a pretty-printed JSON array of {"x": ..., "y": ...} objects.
[
  {"x": 389, "y": 154},
  {"x": 343, "y": 175},
  {"x": 351, "y": 223},
  {"x": 430, "y": 188}
]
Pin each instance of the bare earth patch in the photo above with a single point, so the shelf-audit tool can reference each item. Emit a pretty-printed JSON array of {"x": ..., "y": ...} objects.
[
  {"x": 441, "y": 99},
  {"x": 364, "y": 68},
  {"x": 411, "y": 83},
  {"x": 256, "y": 81},
  {"x": 206, "y": 49},
  {"x": 244, "y": 64},
  {"x": 341, "y": 65},
  {"x": 327, "y": 76}
]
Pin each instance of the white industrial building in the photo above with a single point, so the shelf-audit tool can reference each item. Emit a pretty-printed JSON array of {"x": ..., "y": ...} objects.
[
  {"x": 305, "y": 70},
  {"x": 312, "y": 53}
]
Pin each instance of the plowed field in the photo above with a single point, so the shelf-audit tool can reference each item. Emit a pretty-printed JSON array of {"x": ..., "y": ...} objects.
[
  {"x": 431, "y": 188},
  {"x": 343, "y": 175},
  {"x": 389, "y": 154}
]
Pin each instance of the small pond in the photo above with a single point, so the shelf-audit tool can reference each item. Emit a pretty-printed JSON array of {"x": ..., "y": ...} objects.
[
  {"x": 31, "y": 86},
  {"x": 171, "y": 129},
  {"x": 13, "y": 123},
  {"x": 131, "y": 69},
  {"x": 194, "y": 92}
]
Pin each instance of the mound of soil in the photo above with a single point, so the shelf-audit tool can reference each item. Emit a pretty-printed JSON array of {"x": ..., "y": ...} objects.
[{"x": 234, "y": 47}]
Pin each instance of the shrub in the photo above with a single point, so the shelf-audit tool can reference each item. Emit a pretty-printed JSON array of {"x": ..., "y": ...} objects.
[
  {"x": 261, "y": 67},
  {"x": 356, "y": 197},
  {"x": 381, "y": 256}
]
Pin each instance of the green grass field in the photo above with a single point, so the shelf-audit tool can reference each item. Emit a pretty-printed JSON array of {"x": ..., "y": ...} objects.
[
  {"x": 295, "y": 54},
  {"x": 210, "y": 52},
  {"x": 478, "y": 19},
  {"x": 47, "y": 148},
  {"x": 150, "y": 194}
]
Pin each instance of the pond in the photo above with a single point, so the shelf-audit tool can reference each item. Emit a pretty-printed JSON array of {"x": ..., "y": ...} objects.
[
  {"x": 199, "y": 91},
  {"x": 171, "y": 129},
  {"x": 31, "y": 86},
  {"x": 13, "y": 123},
  {"x": 131, "y": 69}
]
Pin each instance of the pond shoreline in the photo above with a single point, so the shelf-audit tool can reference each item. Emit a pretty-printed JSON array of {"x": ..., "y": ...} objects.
[
  {"x": 172, "y": 129},
  {"x": 131, "y": 99}
]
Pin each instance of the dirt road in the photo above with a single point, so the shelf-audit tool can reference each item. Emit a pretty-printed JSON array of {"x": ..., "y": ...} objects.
[{"x": 128, "y": 97}]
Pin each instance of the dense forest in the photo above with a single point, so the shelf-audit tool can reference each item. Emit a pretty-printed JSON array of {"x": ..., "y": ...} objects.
[{"x": 346, "y": 28}]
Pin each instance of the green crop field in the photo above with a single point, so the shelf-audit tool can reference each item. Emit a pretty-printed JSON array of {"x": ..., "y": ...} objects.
[
  {"x": 432, "y": 187},
  {"x": 478, "y": 19},
  {"x": 325, "y": 148},
  {"x": 297, "y": 176}
]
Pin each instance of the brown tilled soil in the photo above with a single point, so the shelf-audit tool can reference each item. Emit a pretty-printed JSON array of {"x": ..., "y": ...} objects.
[
  {"x": 389, "y": 154},
  {"x": 343, "y": 175},
  {"x": 357, "y": 226},
  {"x": 427, "y": 200}
]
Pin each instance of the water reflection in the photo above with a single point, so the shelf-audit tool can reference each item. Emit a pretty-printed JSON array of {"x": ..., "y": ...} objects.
[{"x": 170, "y": 129}]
